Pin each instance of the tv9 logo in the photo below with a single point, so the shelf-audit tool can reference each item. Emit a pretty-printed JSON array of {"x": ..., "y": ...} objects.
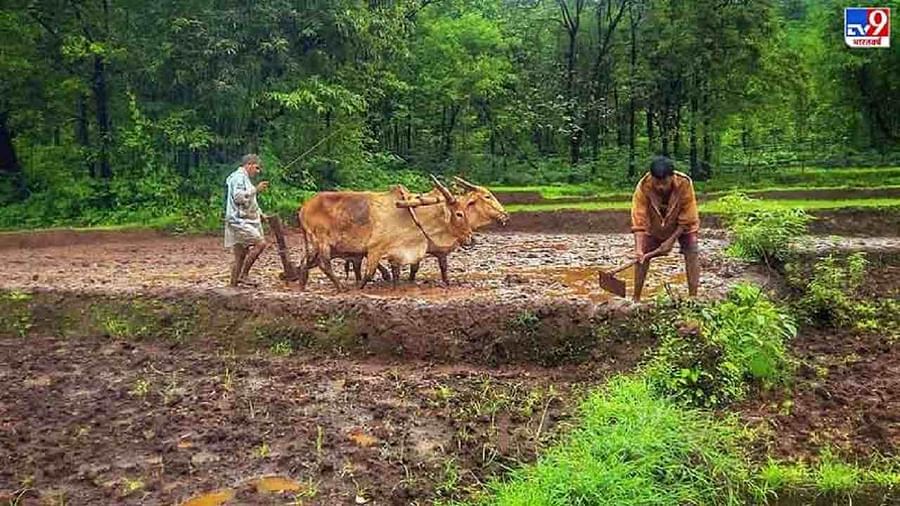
[{"x": 867, "y": 26}]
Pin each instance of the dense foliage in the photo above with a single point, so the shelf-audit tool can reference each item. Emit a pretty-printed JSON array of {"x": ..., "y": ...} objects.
[
  {"x": 123, "y": 111},
  {"x": 720, "y": 349}
]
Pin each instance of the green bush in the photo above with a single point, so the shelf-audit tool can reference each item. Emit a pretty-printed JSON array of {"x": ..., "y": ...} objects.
[
  {"x": 829, "y": 296},
  {"x": 761, "y": 235},
  {"x": 711, "y": 357}
]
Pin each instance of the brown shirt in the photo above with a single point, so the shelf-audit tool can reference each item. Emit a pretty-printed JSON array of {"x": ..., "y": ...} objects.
[{"x": 650, "y": 215}]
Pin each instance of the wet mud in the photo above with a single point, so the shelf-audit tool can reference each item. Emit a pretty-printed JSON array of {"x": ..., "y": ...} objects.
[
  {"x": 107, "y": 421},
  {"x": 846, "y": 394}
]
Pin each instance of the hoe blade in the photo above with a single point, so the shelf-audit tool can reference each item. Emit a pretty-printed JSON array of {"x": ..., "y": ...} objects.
[{"x": 612, "y": 284}]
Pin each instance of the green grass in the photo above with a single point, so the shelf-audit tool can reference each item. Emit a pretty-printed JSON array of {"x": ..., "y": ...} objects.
[
  {"x": 830, "y": 476},
  {"x": 713, "y": 207},
  {"x": 553, "y": 191},
  {"x": 793, "y": 178},
  {"x": 797, "y": 178},
  {"x": 171, "y": 223},
  {"x": 812, "y": 205},
  {"x": 635, "y": 448}
]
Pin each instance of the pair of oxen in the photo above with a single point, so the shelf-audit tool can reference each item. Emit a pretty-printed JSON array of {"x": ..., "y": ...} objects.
[{"x": 396, "y": 226}]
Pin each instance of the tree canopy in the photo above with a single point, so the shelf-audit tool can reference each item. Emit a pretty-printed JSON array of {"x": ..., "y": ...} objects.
[{"x": 122, "y": 107}]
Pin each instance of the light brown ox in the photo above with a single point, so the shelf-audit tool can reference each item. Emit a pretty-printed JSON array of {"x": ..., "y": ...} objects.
[
  {"x": 370, "y": 224},
  {"x": 481, "y": 208}
]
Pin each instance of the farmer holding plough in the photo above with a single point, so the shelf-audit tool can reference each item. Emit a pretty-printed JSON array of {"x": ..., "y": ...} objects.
[
  {"x": 664, "y": 210},
  {"x": 243, "y": 219}
]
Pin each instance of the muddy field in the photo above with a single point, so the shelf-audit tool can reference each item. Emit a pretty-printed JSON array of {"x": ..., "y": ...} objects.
[
  {"x": 100, "y": 421},
  {"x": 508, "y": 266},
  {"x": 841, "y": 222},
  {"x": 501, "y": 266},
  {"x": 847, "y": 393},
  {"x": 127, "y": 413}
]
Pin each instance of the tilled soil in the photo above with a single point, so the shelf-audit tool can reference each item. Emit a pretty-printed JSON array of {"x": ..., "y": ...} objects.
[
  {"x": 499, "y": 266},
  {"x": 110, "y": 421},
  {"x": 103, "y": 421},
  {"x": 846, "y": 396}
]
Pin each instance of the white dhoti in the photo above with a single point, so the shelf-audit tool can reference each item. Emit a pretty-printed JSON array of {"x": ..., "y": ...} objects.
[{"x": 243, "y": 232}]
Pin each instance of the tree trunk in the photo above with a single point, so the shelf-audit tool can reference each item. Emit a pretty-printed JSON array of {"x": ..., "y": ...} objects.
[
  {"x": 101, "y": 102},
  {"x": 664, "y": 126},
  {"x": 707, "y": 141},
  {"x": 620, "y": 132},
  {"x": 101, "y": 97},
  {"x": 9, "y": 162},
  {"x": 82, "y": 133},
  {"x": 632, "y": 169},
  {"x": 651, "y": 137},
  {"x": 575, "y": 134},
  {"x": 409, "y": 135},
  {"x": 676, "y": 125},
  {"x": 695, "y": 172},
  {"x": 448, "y": 132},
  {"x": 572, "y": 24}
]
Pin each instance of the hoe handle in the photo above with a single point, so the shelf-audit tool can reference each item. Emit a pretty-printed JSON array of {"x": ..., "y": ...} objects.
[
  {"x": 653, "y": 254},
  {"x": 621, "y": 268}
]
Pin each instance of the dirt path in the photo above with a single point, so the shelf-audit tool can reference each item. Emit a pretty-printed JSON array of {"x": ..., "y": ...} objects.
[{"x": 100, "y": 421}]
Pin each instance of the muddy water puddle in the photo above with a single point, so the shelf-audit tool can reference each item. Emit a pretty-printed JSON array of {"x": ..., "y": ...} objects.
[
  {"x": 583, "y": 281},
  {"x": 262, "y": 486}
]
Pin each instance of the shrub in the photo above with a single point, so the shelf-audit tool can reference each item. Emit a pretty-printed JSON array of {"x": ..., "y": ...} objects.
[
  {"x": 829, "y": 296},
  {"x": 759, "y": 234}
]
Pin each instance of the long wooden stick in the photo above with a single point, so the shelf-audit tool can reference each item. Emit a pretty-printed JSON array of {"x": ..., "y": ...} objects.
[{"x": 290, "y": 271}]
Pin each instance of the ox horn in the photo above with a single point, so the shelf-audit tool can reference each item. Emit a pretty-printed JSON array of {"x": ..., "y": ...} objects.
[
  {"x": 467, "y": 185},
  {"x": 418, "y": 201},
  {"x": 444, "y": 191}
]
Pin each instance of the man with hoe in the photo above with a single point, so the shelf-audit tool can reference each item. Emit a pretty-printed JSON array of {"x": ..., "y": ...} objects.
[
  {"x": 243, "y": 219},
  {"x": 664, "y": 210}
]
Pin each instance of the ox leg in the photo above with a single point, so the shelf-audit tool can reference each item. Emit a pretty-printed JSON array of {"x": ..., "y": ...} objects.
[
  {"x": 357, "y": 269},
  {"x": 442, "y": 263},
  {"x": 372, "y": 265},
  {"x": 325, "y": 265},
  {"x": 395, "y": 274},
  {"x": 385, "y": 274},
  {"x": 413, "y": 270},
  {"x": 303, "y": 272},
  {"x": 310, "y": 260}
]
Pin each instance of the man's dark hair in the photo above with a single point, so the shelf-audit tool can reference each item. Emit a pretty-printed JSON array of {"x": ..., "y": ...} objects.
[{"x": 662, "y": 167}]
